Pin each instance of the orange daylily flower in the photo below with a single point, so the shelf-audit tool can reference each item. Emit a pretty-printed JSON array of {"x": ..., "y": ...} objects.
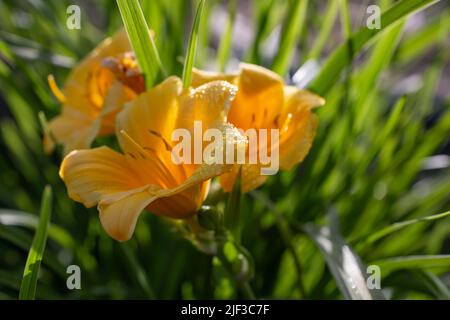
[
  {"x": 144, "y": 175},
  {"x": 92, "y": 96},
  {"x": 264, "y": 102}
]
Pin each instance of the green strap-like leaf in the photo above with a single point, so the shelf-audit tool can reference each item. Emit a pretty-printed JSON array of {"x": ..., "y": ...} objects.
[
  {"x": 341, "y": 57},
  {"x": 370, "y": 75},
  {"x": 225, "y": 41},
  {"x": 290, "y": 35},
  {"x": 31, "y": 272},
  {"x": 138, "y": 271},
  {"x": 9, "y": 217},
  {"x": 387, "y": 266},
  {"x": 399, "y": 226},
  {"x": 233, "y": 209},
  {"x": 418, "y": 43},
  {"x": 192, "y": 46},
  {"x": 345, "y": 265},
  {"x": 325, "y": 30},
  {"x": 433, "y": 283}
]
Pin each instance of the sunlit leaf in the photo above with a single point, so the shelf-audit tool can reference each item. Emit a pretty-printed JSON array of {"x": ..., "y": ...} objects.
[
  {"x": 346, "y": 267},
  {"x": 36, "y": 253},
  {"x": 192, "y": 46}
]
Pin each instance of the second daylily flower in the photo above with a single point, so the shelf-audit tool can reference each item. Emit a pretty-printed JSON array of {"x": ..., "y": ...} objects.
[
  {"x": 264, "y": 102},
  {"x": 144, "y": 175},
  {"x": 92, "y": 95}
]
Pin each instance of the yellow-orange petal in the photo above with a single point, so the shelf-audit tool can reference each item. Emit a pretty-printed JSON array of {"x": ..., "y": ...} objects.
[
  {"x": 117, "y": 96},
  {"x": 183, "y": 204},
  {"x": 201, "y": 77},
  {"x": 297, "y": 133},
  {"x": 94, "y": 174},
  {"x": 259, "y": 99},
  {"x": 294, "y": 149},
  {"x": 209, "y": 103},
  {"x": 119, "y": 218},
  {"x": 297, "y": 99},
  {"x": 75, "y": 130},
  {"x": 72, "y": 129},
  {"x": 88, "y": 82},
  {"x": 251, "y": 178},
  {"x": 102, "y": 176},
  {"x": 151, "y": 118},
  {"x": 123, "y": 185}
]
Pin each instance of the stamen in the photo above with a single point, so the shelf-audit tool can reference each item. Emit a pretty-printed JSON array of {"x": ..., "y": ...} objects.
[
  {"x": 142, "y": 155},
  {"x": 179, "y": 167},
  {"x": 165, "y": 174},
  {"x": 131, "y": 155},
  {"x": 55, "y": 89},
  {"x": 276, "y": 120},
  {"x": 149, "y": 149},
  {"x": 157, "y": 134}
]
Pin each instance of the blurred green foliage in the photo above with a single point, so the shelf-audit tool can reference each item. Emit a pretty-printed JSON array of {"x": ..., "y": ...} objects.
[{"x": 380, "y": 156}]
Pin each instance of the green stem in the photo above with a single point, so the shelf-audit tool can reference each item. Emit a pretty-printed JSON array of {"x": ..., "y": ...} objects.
[
  {"x": 287, "y": 237},
  {"x": 286, "y": 234},
  {"x": 247, "y": 291},
  {"x": 138, "y": 272},
  {"x": 243, "y": 285}
]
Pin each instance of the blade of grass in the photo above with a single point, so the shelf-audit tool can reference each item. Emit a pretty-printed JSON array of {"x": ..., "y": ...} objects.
[
  {"x": 192, "y": 46},
  {"x": 233, "y": 208},
  {"x": 141, "y": 277},
  {"x": 287, "y": 235},
  {"x": 36, "y": 253},
  {"x": 152, "y": 13},
  {"x": 382, "y": 136},
  {"x": 345, "y": 265},
  {"x": 370, "y": 75},
  {"x": 9, "y": 217},
  {"x": 341, "y": 58},
  {"x": 225, "y": 41},
  {"x": 24, "y": 115},
  {"x": 436, "y": 286},
  {"x": 398, "y": 226},
  {"x": 142, "y": 42},
  {"x": 19, "y": 152},
  {"x": 9, "y": 280},
  {"x": 425, "y": 39},
  {"x": 28, "y": 49},
  {"x": 290, "y": 34},
  {"x": 412, "y": 262},
  {"x": 265, "y": 13},
  {"x": 328, "y": 22},
  {"x": 204, "y": 35},
  {"x": 173, "y": 14},
  {"x": 345, "y": 19}
]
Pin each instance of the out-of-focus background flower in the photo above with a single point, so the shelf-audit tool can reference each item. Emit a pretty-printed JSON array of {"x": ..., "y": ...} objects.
[{"x": 381, "y": 154}]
